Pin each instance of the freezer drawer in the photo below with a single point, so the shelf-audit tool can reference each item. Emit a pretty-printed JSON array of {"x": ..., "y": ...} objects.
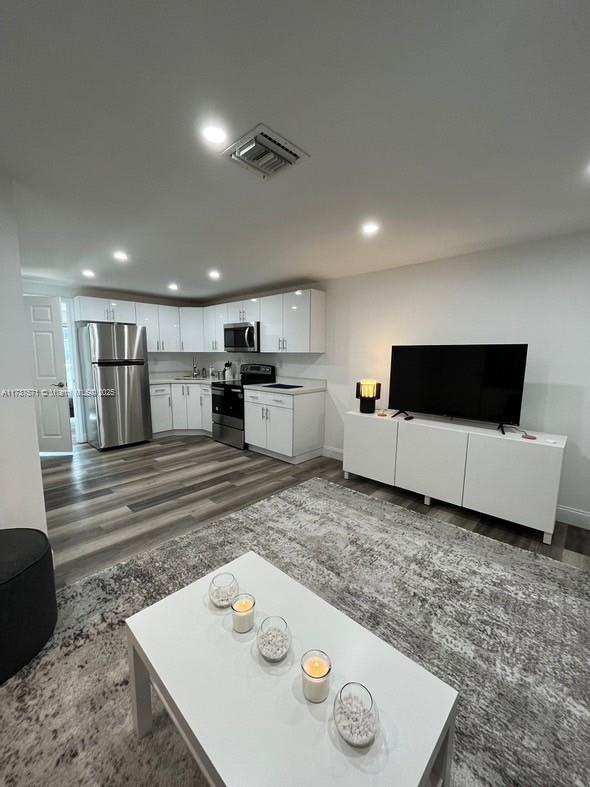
[{"x": 123, "y": 417}]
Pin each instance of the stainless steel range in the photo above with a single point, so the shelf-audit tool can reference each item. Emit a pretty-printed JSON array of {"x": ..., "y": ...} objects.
[{"x": 228, "y": 402}]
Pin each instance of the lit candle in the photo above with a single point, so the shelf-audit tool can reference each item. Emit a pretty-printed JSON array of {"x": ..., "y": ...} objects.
[
  {"x": 315, "y": 668},
  {"x": 243, "y": 612}
]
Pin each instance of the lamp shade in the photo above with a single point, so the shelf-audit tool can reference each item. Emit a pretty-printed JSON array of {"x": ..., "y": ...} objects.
[{"x": 367, "y": 391}]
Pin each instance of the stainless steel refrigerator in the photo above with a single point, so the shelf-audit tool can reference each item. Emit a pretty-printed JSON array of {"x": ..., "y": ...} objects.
[{"x": 116, "y": 394}]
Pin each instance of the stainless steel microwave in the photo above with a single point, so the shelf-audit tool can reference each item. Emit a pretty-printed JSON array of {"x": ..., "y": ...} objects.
[{"x": 241, "y": 337}]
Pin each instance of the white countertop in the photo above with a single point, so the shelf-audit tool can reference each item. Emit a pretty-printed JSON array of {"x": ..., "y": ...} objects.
[
  {"x": 170, "y": 380},
  {"x": 308, "y": 385},
  {"x": 490, "y": 430}
]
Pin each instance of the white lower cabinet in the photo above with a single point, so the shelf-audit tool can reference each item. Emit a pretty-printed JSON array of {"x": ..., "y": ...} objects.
[
  {"x": 479, "y": 468},
  {"x": 369, "y": 448},
  {"x": 269, "y": 427},
  {"x": 179, "y": 416},
  {"x": 206, "y": 409},
  {"x": 431, "y": 461},
  {"x": 525, "y": 473},
  {"x": 279, "y": 430},
  {"x": 255, "y": 424},
  {"x": 194, "y": 401},
  {"x": 191, "y": 406},
  {"x": 286, "y": 426},
  {"x": 161, "y": 407}
]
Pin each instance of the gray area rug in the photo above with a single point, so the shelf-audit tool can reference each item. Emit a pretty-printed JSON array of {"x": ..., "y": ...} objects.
[{"x": 507, "y": 628}]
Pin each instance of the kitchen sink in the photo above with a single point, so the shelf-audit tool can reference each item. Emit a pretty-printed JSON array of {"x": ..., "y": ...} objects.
[{"x": 281, "y": 385}]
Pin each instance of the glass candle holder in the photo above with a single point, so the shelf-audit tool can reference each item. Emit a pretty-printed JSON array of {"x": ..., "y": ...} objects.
[
  {"x": 274, "y": 638},
  {"x": 243, "y": 612},
  {"x": 355, "y": 714},
  {"x": 315, "y": 669},
  {"x": 222, "y": 589}
]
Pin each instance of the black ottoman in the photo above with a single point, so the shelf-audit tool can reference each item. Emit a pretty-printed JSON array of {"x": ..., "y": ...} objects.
[{"x": 28, "y": 607}]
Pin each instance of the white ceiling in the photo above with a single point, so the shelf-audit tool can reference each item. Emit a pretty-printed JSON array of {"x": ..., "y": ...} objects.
[{"x": 458, "y": 124}]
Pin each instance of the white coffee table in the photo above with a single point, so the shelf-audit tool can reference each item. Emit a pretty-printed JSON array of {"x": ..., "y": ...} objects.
[{"x": 247, "y": 723}]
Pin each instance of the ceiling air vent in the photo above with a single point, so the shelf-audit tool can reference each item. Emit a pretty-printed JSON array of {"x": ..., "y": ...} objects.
[{"x": 264, "y": 152}]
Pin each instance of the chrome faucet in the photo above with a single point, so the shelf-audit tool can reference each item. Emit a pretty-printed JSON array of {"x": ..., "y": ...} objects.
[{"x": 196, "y": 370}]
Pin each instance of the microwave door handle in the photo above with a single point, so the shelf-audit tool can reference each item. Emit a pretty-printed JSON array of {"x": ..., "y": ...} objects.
[{"x": 249, "y": 345}]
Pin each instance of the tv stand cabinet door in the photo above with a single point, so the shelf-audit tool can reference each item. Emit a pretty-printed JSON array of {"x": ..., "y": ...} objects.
[
  {"x": 431, "y": 461},
  {"x": 513, "y": 479},
  {"x": 369, "y": 447}
]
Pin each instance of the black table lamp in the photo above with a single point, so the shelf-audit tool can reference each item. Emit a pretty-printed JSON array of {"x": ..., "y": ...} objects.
[{"x": 367, "y": 391}]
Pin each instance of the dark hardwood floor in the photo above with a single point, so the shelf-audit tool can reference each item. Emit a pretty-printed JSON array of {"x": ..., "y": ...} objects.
[{"x": 105, "y": 507}]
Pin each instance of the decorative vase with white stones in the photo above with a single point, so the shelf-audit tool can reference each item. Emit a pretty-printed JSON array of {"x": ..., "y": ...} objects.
[{"x": 355, "y": 715}]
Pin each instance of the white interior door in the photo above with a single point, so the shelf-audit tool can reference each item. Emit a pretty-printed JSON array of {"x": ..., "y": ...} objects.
[{"x": 49, "y": 374}]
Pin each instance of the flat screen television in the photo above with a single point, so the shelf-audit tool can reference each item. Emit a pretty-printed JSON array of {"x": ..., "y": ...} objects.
[{"x": 480, "y": 382}]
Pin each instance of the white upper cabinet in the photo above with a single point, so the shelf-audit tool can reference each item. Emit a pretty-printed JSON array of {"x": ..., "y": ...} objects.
[
  {"x": 123, "y": 311},
  {"x": 293, "y": 322},
  {"x": 169, "y": 319},
  {"x": 191, "y": 329},
  {"x": 271, "y": 323},
  {"x": 296, "y": 321},
  {"x": 147, "y": 315},
  {"x": 103, "y": 310},
  {"x": 234, "y": 311},
  {"x": 214, "y": 318},
  {"x": 244, "y": 311}
]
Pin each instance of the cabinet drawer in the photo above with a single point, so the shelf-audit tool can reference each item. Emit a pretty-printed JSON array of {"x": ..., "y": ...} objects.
[
  {"x": 270, "y": 399},
  {"x": 159, "y": 390}
]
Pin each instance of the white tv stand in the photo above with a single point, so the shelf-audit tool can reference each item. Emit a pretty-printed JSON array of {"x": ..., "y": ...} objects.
[{"x": 468, "y": 465}]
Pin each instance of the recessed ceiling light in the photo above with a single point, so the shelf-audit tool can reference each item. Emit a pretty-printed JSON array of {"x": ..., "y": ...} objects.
[
  {"x": 88, "y": 273},
  {"x": 214, "y": 275},
  {"x": 298, "y": 292},
  {"x": 120, "y": 255},
  {"x": 370, "y": 228},
  {"x": 253, "y": 300},
  {"x": 215, "y": 135},
  {"x": 173, "y": 286}
]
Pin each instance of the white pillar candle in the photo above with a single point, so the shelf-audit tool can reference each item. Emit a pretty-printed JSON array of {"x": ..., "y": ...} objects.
[
  {"x": 315, "y": 669},
  {"x": 243, "y": 613}
]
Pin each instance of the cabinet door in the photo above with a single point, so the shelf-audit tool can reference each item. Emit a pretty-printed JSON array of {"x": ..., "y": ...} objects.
[
  {"x": 513, "y": 479},
  {"x": 279, "y": 430},
  {"x": 296, "y": 321},
  {"x": 179, "y": 420},
  {"x": 431, "y": 461},
  {"x": 193, "y": 406},
  {"x": 93, "y": 309},
  {"x": 235, "y": 311},
  {"x": 161, "y": 413},
  {"x": 147, "y": 315},
  {"x": 370, "y": 446},
  {"x": 254, "y": 424},
  {"x": 271, "y": 323},
  {"x": 209, "y": 328},
  {"x": 251, "y": 309},
  {"x": 191, "y": 329},
  {"x": 169, "y": 318},
  {"x": 123, "y": 311},
  {"x": 220, "y": 320},
  {"x": 206, "y": 414}
]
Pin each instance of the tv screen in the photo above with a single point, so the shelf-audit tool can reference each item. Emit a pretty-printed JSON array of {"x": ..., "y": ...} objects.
[{"x": 481, "y": 382}]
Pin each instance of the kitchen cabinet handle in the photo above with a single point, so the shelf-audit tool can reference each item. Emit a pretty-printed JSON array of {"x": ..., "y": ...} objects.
[
  {"x": 284, "y": 344},
  {"x": 182, "y": 345},
  {"x": 170, "y": 402},
  {"x": 188, "y": 390},
  {"x": 158, "y": 345},
  {"x": 162, "y": 344}
]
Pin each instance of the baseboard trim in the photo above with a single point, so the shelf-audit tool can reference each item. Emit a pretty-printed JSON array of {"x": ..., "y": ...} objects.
[
  {"x": 574, "y": 516},
  {"x": 332, "y": 453}
]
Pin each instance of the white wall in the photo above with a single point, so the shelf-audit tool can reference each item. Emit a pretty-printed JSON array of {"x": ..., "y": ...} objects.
[
  {"x": 21, "y": 489},
  {"x": 538, "y": 293}
]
